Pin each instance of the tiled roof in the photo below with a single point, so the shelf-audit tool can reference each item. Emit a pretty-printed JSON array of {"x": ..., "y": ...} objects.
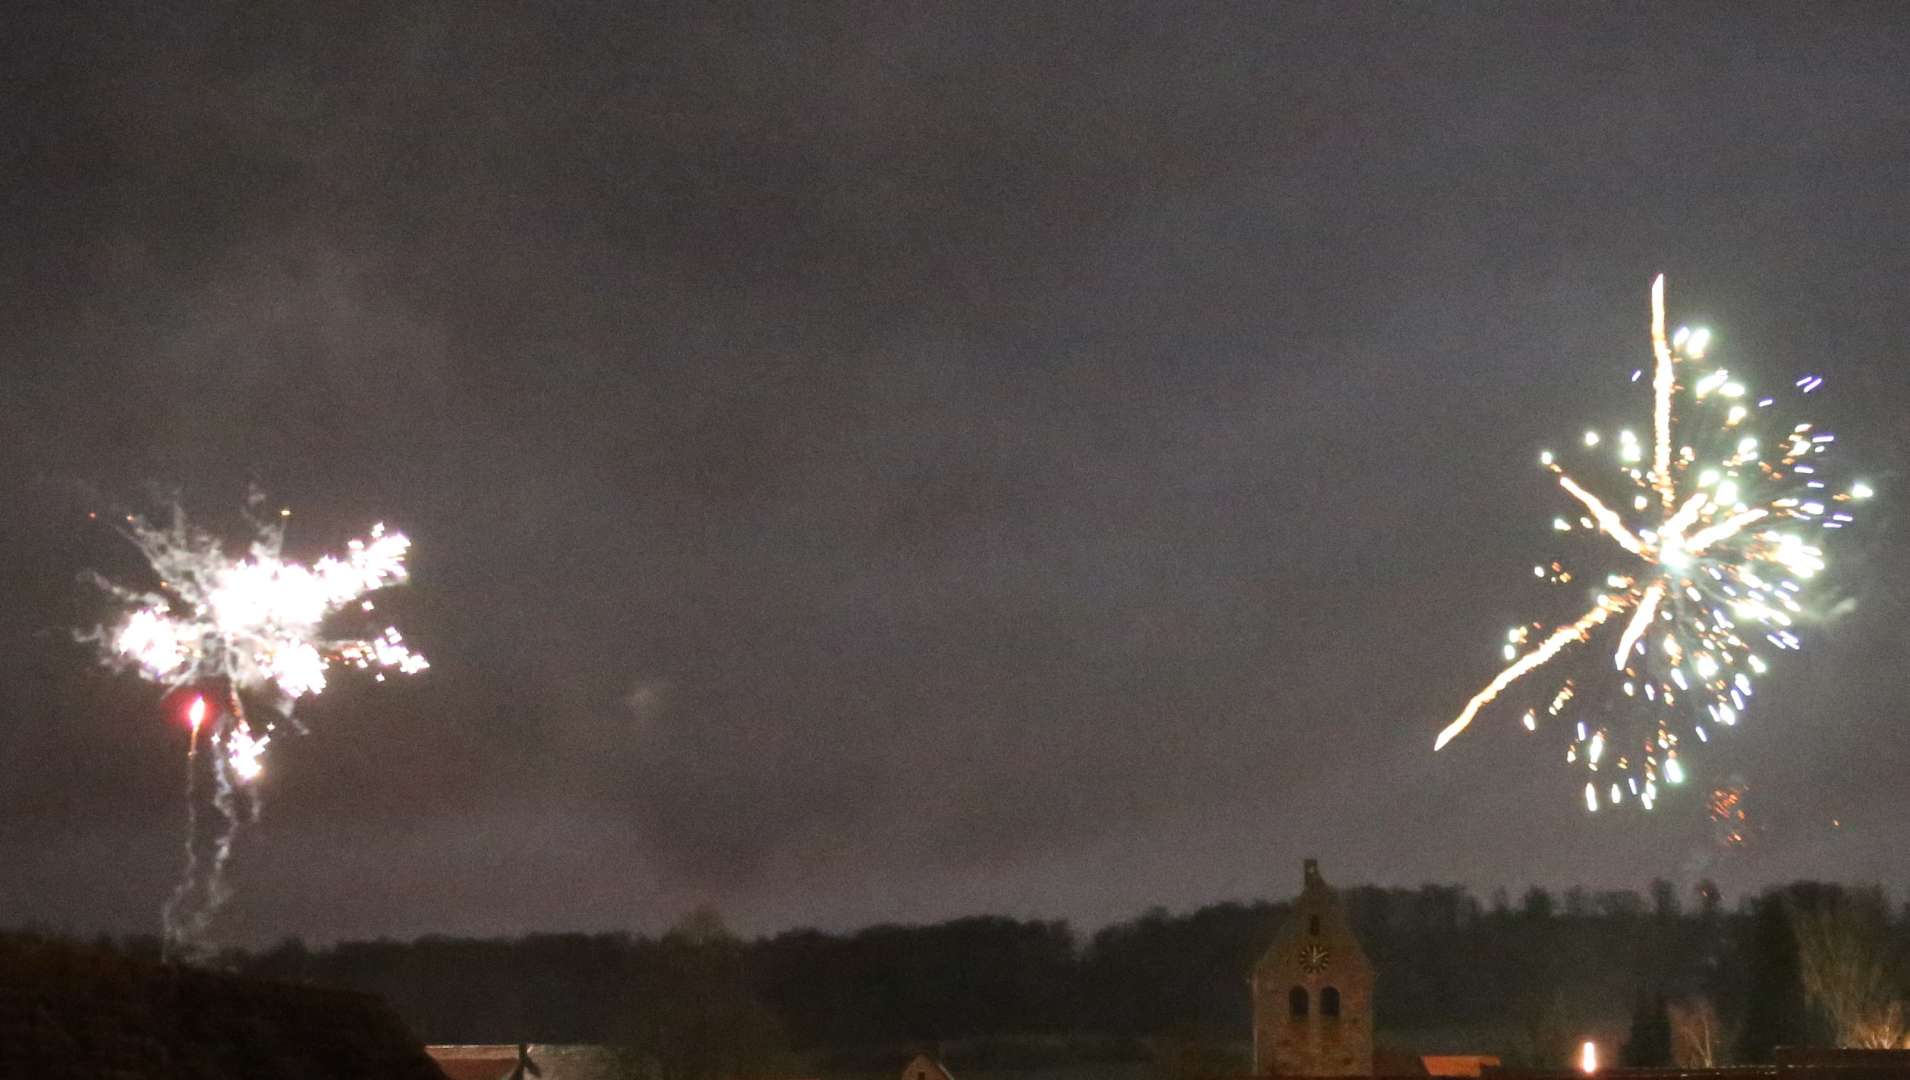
[
  {"x": 1458, "y": 1064},
  {"x": 924, "y": 1067},
  {"x": 554, "y": 1061},
  {"x": 477, "y": 1068}
]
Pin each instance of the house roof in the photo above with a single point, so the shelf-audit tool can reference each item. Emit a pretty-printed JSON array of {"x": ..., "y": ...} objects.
[
  {"x": 923, "y": 1067},
  {"x": 1458, "y": 1064},
  {"x": 477, "y": 1068},
  {"x": 495, "y": 1061}
]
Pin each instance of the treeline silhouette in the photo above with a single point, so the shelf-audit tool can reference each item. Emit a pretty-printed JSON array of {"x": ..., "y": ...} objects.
[{"x": 1522, "y": 978}]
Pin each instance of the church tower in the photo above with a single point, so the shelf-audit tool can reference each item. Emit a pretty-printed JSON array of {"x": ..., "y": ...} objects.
[{"x": 1313, "y": 992}]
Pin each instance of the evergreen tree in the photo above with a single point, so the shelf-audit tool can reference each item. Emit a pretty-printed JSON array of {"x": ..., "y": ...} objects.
[
  {"x": 1773, "y": 1009},
  {"x": 1648, "y": 1046}
]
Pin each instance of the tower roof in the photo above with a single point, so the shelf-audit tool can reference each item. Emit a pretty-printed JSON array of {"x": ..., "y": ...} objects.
[{"x": 1317, "y": 916}]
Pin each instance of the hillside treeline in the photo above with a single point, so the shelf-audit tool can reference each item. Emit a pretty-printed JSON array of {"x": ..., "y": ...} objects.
[{"x": 1522, "y": 977}]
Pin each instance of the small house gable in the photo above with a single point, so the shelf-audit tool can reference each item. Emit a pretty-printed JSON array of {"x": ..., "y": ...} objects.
[{"x": 923, "y": 1067}]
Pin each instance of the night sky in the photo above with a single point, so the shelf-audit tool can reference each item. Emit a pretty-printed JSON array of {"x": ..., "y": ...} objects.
[{"x": 895, "y": 462}]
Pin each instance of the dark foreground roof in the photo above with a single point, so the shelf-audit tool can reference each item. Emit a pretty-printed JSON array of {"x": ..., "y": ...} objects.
[
  {"x": 67, "y": 1011},
  {"x": 1793, "y": 1063}
]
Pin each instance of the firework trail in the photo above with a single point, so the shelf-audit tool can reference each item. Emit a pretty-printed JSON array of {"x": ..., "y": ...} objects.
[
  {"x": 1716, "y": 557},
  {"x": 171, "y": 913},
  {"x": 238, "y": 628}
]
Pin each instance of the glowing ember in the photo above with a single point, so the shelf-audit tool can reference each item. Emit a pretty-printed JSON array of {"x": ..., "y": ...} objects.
[{"x": 1730, "y": 823}]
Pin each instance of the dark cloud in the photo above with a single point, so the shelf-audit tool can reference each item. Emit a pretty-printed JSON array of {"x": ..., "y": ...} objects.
[{"x": 903, "y": 461}]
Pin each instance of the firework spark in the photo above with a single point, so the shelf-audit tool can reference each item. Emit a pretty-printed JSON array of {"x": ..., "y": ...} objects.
[
  {"x": 250, "y": 627},
  {"x": 1716, "y": 562},
  {"x": 1730, "y": 820}
]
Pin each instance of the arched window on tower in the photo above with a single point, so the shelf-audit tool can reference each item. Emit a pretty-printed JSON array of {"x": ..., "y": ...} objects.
[
  {"x": 1296, "y": 1001},
  {"x": 1313, "y": 925},
  {"x": 1330, "y": 1002}
]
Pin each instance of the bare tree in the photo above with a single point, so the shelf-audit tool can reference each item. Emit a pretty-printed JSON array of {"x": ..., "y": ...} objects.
[
  {"x": 1698, "y": 1037},
  {"x": 1841, "y": 953}
]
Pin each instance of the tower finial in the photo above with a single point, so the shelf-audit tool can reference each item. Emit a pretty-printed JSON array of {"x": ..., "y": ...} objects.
[{"x": 1312, "y": 870}]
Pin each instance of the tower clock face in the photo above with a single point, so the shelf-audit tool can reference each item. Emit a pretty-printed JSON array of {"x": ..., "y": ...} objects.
[{"x": 1313, "y": 959}]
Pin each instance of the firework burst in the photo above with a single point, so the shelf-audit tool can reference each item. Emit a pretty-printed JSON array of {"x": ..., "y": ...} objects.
[
  {"x": 1720, "y": 543},
  {"x": 238, "y": 629}
]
